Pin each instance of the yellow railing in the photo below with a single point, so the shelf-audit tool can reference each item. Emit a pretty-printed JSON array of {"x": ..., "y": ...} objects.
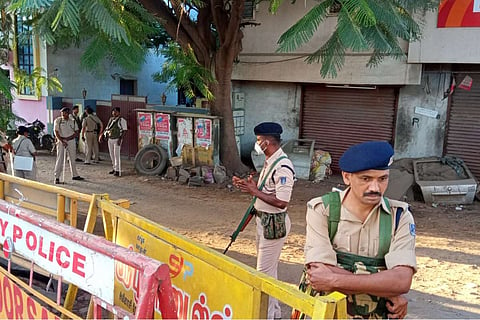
[{"x": 217, "y": 276}]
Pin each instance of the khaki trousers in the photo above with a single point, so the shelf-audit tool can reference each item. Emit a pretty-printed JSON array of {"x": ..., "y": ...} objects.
[
  {"x": 71, "y": 151},
  {"x": 91, "y": 146},
  {"x": 268, "y": 255}
]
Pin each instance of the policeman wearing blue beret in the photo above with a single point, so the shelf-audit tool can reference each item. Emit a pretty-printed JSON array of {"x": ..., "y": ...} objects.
[
  {"x": 272, "y": 194},
  {"x": 371, "y": 155},
  {"x": 268, "y": 129},
  {"x": 359, "y": 226}
]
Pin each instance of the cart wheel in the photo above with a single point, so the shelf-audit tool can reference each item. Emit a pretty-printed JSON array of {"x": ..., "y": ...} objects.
[{"x": 151, "y": 160}]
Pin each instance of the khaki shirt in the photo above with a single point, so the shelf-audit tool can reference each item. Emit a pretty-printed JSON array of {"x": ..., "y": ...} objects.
[
  {"x": 64, "y": 127},
  {"x": 357, "y": 237},
  {"x": 282, "y": 183},
  {"x": 90, "y": 123}
]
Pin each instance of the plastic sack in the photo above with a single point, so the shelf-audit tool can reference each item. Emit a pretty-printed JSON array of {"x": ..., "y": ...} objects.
[{"x": 320, "y": 166}]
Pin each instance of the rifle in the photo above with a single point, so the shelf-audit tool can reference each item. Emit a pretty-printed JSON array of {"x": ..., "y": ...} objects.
[{"x": 250, "y": 213}]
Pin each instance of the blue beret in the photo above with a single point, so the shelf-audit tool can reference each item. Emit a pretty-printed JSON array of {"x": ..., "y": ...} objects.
[
  {"x": 268, "y": 129},
  {"x": 371, "y": 155}
]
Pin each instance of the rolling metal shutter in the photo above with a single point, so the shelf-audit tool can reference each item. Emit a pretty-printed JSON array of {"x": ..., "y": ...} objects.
[
  {"x": 340, "y": 117},
  {"x": 463, "y": 129}
]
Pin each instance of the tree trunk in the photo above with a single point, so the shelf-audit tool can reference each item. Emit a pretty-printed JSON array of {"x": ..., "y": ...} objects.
[{"x": 222, "y": 106}]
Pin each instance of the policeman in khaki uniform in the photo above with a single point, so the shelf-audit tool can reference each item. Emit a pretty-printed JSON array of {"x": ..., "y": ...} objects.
[
  {"x": 66, "y": 130},
  {"x": 272, "y": 198},
  {"x": 351, "y": 262}
]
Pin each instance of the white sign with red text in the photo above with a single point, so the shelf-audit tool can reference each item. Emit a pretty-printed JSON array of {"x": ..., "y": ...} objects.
[{"x": 81, "y": 266}]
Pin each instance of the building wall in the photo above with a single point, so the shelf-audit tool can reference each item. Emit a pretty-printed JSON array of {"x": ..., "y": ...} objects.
[
  {"x": 259, "y": 61},
  {"x": 31, "y": 108},
  {"x": 66, "y": 64},
  {"x": 444, "y": 45},
  {"x": 418, "y": 132},
  {"x": 280, "y": 102},
  {"x": 268, "y": 101}
]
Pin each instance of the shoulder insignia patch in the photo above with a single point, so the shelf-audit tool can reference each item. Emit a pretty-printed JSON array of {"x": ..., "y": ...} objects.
[
  {"x": 283, "y": 180},
  {"x": 412, "y": 229}
]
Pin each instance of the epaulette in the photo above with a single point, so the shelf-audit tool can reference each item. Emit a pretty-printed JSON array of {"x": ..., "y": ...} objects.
[
  {"x": 314, "y": 202},
  {"x": 399, "y": 204}
]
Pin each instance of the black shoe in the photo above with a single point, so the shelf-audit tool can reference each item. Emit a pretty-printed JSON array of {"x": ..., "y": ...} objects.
[
  {"x": 78, "y": 178},
  {"x": 78, "y": 160},
  {"x": 57, "y": 181},
  {"x": 117, "y": 174},
  {"x": 112, "y": 172},
  {"x": 87, "y": 163}
]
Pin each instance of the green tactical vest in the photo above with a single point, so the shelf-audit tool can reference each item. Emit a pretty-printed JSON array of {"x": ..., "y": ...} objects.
[
  {"x": 114, "y": 131},
  {"x": 363, "y": 305}
]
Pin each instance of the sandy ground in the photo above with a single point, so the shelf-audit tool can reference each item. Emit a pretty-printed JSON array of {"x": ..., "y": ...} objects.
[{"x": 447, "y": 284}]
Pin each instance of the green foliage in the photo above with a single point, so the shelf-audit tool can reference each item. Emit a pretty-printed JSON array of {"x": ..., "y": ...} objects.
[
  {"x": 181, "y": 69},
  {"x": 35, "y": 81},
  {"x": 7, "y": 118},
  {"x": 116, "y": 31},
  {"x": 5, "y": 86},
  {"x": 371, "y": 26}
]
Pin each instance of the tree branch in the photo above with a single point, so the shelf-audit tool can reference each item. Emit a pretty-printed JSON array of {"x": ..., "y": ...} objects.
[{"x": 184, "y": 31}]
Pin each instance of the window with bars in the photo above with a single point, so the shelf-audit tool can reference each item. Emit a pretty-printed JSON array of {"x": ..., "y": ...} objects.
[
  {"x": 249, "y": 10},
  {"x": 24, "y": 50}
]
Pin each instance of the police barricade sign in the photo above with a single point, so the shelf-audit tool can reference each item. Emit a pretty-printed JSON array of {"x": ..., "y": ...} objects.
[
  {"x": 84, "y": 260},
  {"x": 201, "y": 291},
  {"x": 206, "y": 283}
]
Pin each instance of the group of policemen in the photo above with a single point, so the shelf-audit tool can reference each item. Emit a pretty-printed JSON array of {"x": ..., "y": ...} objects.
[
  {"x": 358, "y": 242},
  {"x": 69, "y": 128}
]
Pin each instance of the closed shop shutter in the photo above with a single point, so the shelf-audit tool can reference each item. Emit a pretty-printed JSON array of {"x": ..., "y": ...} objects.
[
  {"x": 338, "y": 117},
  {"x": 463, "y": 131}
]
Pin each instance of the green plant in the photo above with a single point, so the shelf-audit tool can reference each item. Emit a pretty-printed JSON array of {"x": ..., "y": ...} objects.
[
  {"x": 35, "y": 81},
  {"x": 181, "y": 70}
]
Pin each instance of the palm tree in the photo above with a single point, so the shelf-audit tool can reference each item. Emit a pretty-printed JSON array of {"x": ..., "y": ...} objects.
[{"x": 369, "y": 26}]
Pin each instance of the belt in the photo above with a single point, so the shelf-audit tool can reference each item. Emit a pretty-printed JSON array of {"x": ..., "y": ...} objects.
[
  {"x": 261, "y": 213},
  {"x": 90, "y": 131}
]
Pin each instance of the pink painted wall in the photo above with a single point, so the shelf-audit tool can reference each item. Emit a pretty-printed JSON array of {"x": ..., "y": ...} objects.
[{"x": 31, "y": 110}]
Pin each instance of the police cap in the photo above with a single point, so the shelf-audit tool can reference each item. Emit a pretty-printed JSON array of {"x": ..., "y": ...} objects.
[
  {"x": 65, "y": 109},
  {"x": 371, "y": 155},
  {"x": 268, "y": 129}
]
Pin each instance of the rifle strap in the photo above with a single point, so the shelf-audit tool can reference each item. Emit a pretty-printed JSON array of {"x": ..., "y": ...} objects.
[{"x": 260, "y": 187}]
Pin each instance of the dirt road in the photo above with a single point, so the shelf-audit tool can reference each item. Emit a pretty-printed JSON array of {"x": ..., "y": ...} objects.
[{"x": 447, "y": 284}]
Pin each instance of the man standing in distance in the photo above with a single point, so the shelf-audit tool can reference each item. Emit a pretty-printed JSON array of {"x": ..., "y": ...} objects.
[
  {"x": 359, "y": 242},
  {"x": 91, "y": 127},
  {"x": 66, "y": 130},
  {"x": 272, "y": 191},
  {"x": 75, "y": 116},
  {"x": 115, "y": 131}
]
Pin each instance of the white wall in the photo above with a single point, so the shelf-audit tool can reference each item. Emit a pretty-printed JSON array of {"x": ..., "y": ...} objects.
[
  {"x": 258, "y": 60},
  {"x": 268, "y": 101},
  {"x": 425, "y": 136},
  {"x": 445, "y": 45}
]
